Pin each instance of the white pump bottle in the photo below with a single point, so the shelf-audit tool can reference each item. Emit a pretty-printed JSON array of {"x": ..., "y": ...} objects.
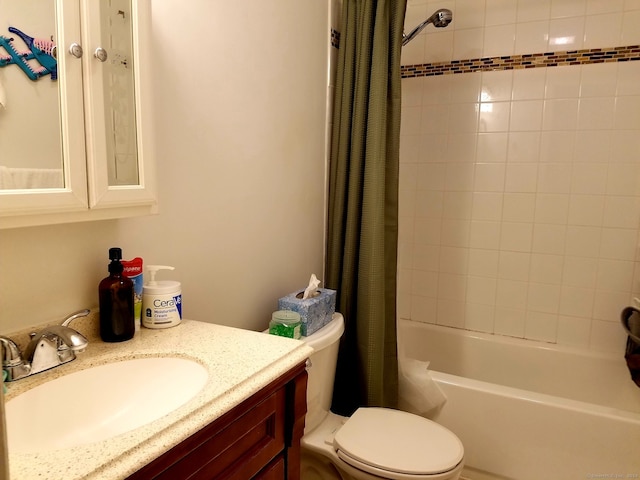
[{"x": 161, "y": 300}]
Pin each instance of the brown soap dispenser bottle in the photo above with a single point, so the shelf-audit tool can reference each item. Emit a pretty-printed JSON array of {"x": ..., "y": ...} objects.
[{"x": 116, "y": 302}]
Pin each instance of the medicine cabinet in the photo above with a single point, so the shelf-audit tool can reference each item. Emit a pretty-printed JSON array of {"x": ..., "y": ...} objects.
[{"x": 74, "y": 142}]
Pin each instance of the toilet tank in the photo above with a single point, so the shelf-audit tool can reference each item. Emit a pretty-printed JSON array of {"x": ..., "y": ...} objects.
[{"x": 322, "y": 370}]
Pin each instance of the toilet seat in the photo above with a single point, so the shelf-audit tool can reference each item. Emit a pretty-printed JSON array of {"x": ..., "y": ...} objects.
[{"x": 397, "y": 445}]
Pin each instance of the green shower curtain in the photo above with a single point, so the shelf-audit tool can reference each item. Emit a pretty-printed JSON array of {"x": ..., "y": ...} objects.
[{"x": 363, "y": 202}]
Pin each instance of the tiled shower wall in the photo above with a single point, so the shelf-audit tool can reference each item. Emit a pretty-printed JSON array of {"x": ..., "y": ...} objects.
[{"x": 520, "y": 187}]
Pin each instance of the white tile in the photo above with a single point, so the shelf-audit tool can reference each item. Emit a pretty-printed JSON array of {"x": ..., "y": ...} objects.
[
  {"x": 532, "y": 37},
  {"x": 608, "y": 305},
  {"x": 607, "y": 337},
  {"x": 598, "y": 79},
  {"x": 560, "y": 114},
  {"x": 469, "y": 13},
  {"x": 457, "y": 205},
  {"x": 499, "y": 40},
  {"x": 541, "y": 326},
  {"x": 516, "y": 237},
  {"x": 603, "y": 30},
  {"x": 592, "y": 146},
  {"x": 514, "y": 266},
  {"x": 453, "y": 260},
  {"x": 461, "y": 147},
  {"x": 615, "y": 275},
  {"x": 500, "y": 12},
  {"x": 410, "y": 121},
  {"x": 455, "y": 233},
  {"x": 494, "y": 117},
  {"x": 509, "y": 321},
  {"x": 424, "y": 284},
  {"x": 521, "y": 177},
  {"x": 563, "y": 82},
  {"x": 589, "y": 179},
  {"x": 552, "y": 208},
  {"x": 468, "y": 43},
  {"x": 529, "y": 84},
  {"x": 485, "y": 235},
  {"x": 566, "y": 33},
  {"x": 623, "y": 179},
  {"x": 567, "y": 8},
  {"x": 431, "y": 176},
  {"x": 511, "y": 294},
  {"x": 483, "y": 263},
  {"x": 487, "y": 206},
  {"x": 524, "y": 147},
  {"x": 409, "y": 149},
  {"x": 465, "y": 88},
  {"x": 583, "y": 241},
  {"x": 433, "y": 119},
  {"x": 554, "y": 177},
  {"x": 628, "y": 74},
  {"x": 526, "y": 115},
  {"x": 426, "y": 258},
  {"x": 479, "y": 318},
  {"x": 580, "y": 272},
  {"x": 463, "y": 117},
  {"x": 618, "y": 243},
  {"x": 625, "y": 146},
  {"x": 627, "y": 113},
  {"x": 622, "y": 212},
  {"x": 451, "y": 313},
  {"x": 436, "y": 90},
  {"x": 596, "y": 113},
  {"x": 489, "y": 177},
  {"x": 543, "y": 297},
  {"x": 481, "y": 290},
  {"x": 519, "y": 207},
  {"x": 573, "y": 331},
  {"x": 604, "y": 6},
  {"x": 576, "y": 302},
  {"x": 546, "y": 268},
  {"x": 549, "y": 238},
  {"x": 631, "y": 5},
  {"x": 433, "y": 148},
  {"x": 492, "y": 147},
  {"x": 631, "y": 28},
  {"x": 429, "y": 204},
  {"x": 438, "y": 46},
  {"x": 427, "y": 231},
  {"x": 586, "y": 210},
  {"x": 423, "y": 309},
  {"x": 557, "y": 146},
  {"x": 459, "y": 177},
  {"x": 451, "y": 286},
  {"x": 496, "y": 86},
  {"x": 412, "y": 91},
  {"x": 531, "y": 10}
]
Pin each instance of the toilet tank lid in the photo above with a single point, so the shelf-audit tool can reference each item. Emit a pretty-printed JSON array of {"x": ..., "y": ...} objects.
[
  {"x": 382, "y": 439},
  {"x": 326, "y": 335}
]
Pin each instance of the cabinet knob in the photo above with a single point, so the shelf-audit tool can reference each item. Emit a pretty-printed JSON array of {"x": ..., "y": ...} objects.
[
  {"x": 100, "y": 54},
  {"x": 75, "y": 50}
]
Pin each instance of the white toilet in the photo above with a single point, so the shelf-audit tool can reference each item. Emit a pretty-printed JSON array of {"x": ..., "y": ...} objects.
[{"x": 374, "y": 443}]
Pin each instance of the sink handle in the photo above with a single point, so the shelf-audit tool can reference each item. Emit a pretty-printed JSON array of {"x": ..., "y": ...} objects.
[{"x": 73, "y": 316}]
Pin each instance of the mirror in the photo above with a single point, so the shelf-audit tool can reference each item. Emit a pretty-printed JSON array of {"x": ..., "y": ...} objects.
[
  {"x": 30, "y": 141},
  {"x": 31, "y": 149}
]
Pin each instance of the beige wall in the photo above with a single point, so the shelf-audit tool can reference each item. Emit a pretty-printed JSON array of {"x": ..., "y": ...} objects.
[
  {"x": 239, "y": 99},
  {"x": 520, "y": 189}
]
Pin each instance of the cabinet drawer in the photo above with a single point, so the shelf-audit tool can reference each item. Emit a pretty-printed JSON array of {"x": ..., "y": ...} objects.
[
  {"x": 234, "y": 449},
  {"x": 274, "y": 471}
]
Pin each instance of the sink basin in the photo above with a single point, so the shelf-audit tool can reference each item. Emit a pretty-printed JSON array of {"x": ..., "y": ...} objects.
[{"x": 100, "y": 402}]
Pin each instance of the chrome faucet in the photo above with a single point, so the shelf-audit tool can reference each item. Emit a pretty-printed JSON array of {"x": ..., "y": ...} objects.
[{"x": 50, "y": 347}]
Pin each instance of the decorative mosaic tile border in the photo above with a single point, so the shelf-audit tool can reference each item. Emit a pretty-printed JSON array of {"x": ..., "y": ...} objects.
[{"x": 532, "y": 60}]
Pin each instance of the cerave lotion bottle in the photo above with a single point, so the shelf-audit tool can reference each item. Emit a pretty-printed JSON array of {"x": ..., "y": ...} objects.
[{"x": 161, "y": 300}]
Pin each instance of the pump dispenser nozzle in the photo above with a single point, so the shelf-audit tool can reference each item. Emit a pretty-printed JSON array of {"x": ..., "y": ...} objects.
[{"x": 152, "y": 269}]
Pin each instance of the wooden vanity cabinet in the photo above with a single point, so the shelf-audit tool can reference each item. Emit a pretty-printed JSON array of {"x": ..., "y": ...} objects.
[{"x": 257, "y": 439}]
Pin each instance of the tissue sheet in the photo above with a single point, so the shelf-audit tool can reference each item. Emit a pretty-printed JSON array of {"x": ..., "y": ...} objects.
[{"x": 315, "y": 312}]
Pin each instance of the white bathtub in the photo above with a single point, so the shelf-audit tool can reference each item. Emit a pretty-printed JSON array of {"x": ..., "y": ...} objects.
[{"x": 529, "y": 410}]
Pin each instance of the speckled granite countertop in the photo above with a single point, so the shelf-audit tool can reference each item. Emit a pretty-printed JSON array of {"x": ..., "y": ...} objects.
[{"x": 240, "y": 363}]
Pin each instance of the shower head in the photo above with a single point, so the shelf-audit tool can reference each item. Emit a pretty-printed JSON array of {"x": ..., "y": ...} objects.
[{"x": 440, "y": 19}]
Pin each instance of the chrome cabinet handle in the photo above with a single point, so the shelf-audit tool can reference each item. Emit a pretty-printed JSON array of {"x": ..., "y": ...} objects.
[
  {"x": 100, "y": 54},
  {"x": 75, "y": 50}
]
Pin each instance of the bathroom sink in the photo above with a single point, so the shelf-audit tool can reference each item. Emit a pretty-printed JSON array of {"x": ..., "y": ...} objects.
[{"x": 100, "y": 402}]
